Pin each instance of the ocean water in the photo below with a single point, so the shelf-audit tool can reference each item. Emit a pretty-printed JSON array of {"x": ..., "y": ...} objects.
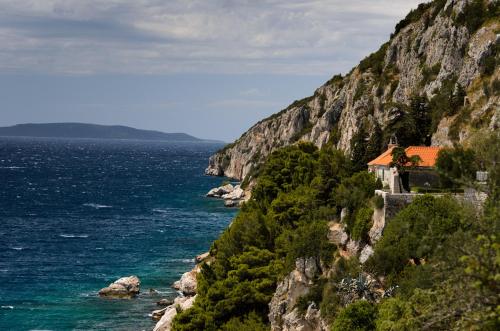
[{"x": 76, "y": 215}]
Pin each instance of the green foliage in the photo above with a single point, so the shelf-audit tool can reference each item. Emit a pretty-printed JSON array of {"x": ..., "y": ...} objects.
[
  {"x": 250, "y": 322},
  {"x": 362, "y": 224},
  {"x": 360, "y": 90},
  {"x": 475, "y": 13},
  {"x": 411, "y": 124},
  {"x": 414, "y": 16},
  {"x": 358, "y": 316},
  {"x": 378, "y": 201},
  {"x": 456, "y": 166},
  {"x": 336, "y": 80},
  {"x": 421, "y": 117},
  {"x": 308, "y": 240},
  {"x": 430, "y": 74},
  {"x": 395, "y": 314},
  {"x": 374, "y": 61},
  {"x": 314, "y": 295},
  {"x": 415, "y": 233},
  {"x": 355, "y": 191},
  {"x": 365, "y": 147},
  {"x": 286, "y": 219},
  {"x": 403, "y": 163},
  {"x": 449, "y": 99}
]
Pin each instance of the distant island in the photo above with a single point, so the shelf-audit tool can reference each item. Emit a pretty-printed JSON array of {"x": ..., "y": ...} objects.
[{"x": 93, "y": 131}]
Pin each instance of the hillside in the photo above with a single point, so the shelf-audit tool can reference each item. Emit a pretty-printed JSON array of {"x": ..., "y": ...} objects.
[
  {"x": 321, "y": 245},
  {"x": 82, "y": 130},
  {"x": 436, "y": 81}
]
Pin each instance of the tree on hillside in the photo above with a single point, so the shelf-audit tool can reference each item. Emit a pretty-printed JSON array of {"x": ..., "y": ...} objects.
[{"x": 404, "y": 163}]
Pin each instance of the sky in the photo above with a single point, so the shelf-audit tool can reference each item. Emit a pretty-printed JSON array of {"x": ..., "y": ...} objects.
[{"x": 210, "y": 68}]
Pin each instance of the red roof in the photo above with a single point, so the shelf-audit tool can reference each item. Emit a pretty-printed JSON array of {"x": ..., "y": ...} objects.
[
  {"x": 384, "y": 159},
  {"x": 427, "y": 154}
]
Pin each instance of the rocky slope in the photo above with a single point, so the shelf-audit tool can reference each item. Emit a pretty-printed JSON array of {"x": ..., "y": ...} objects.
[{"x": 438, "y": 74}]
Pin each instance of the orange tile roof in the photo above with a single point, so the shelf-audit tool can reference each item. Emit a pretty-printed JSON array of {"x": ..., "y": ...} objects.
[
  {"x": 428, "y": 154},
  {"x": 383, "y": 159}
]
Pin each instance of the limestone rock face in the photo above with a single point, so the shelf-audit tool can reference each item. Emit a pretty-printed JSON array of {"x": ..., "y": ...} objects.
[
  {"x": 182, "y": 303},
  {"x": 218, "y": 192},
  {"x": 125, "y": 287},
  {"x": 337, "y": 234},
  {"x": 236, "y": 194},
  {"x": 188, "y": 284},
  {"x": 361, "y": 99},
  {"x": 282, "y": 312},
  {"x": 365, "y": 254}
]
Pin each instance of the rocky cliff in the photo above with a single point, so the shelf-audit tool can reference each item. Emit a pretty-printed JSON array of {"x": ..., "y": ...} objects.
[{"x": 436, "y": 81}]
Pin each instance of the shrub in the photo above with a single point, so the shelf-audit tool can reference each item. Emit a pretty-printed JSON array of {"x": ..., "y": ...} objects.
[
  {"x": 475, "y": 13},
  {"x": 358, "y": 316},
  {"x": 430, "y": 74},
  {"x": 415, "y": 233},
  {"x": 374, "y": 61},
  {"x": 378, "y": 201},
  {"x": 456, "y": 166},
  {"x": 362, "y": 224}
]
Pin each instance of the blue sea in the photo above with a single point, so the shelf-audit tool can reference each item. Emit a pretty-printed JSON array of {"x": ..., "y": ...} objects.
[{"x": 75, "y": 215}]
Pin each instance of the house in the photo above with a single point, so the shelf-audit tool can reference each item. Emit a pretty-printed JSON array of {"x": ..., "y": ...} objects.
[{"x": 423, "y": 175}]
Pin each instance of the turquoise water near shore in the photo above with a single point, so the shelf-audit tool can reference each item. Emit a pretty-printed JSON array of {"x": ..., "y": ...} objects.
[{"x": 76, "y": 215}]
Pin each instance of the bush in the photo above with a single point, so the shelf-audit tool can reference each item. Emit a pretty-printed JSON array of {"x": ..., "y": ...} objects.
[
  {"x": 430, "y": 74},
  {"x": 358, "y": 316},
  {"x": 374, "y": 61},
  {"x": 415, "y": 233},
  {"x": 456, "y": 166},
  {"x": 362, "y": 224},
  {"x": 378, "y": 201},
  {"x": 413, "y": 16},
  {"x": 475, "y": 13}
]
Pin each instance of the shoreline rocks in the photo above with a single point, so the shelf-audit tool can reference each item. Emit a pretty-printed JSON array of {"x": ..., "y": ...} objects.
[
  {"x": 167, "y": 315},
  {"x": 187, "y": 286},
  {"x": 123, "y": 288},
  {"x": 233, "y": 196}
]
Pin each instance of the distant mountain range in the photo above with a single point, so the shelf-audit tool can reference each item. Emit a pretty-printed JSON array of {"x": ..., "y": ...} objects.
[{"x": 94, "y": 131}]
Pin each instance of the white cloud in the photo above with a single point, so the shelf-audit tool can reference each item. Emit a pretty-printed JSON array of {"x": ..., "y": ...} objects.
[{"x": 220, "y": 36}]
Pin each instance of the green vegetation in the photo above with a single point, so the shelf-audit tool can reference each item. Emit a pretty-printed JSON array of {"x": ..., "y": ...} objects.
[
  {"x": 456, "y": 166},
  {"x": 414, "y": 16},
  {"x": 374, "y": 61},
  {"x": 476, "y": 13},
  {"x": 358, "y": 316},
  {"x": 299, "y": 189},
  {"x": 430, "y": 74}
]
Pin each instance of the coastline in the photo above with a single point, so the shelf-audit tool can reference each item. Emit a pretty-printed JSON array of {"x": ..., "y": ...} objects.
[{"x": 186, "y": 285}]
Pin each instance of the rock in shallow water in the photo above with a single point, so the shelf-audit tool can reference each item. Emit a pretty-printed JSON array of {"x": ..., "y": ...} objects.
[
  {"x": 220, "y": 191},
  {"x": 187, "y": 283},
  {"x": 181, "y": 303},
  {"x": 123, "y": 288}
]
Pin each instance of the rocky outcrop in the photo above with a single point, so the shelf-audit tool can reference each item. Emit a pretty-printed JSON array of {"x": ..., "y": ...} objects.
[
  {"x": 168, "y": 314},
  {"x": 283, "y": 313},
  {"x": 188, "y": 284},
  {"x": 123, "y": 288},
  {"x": 219, "y": 192},
  {"x": 431, "y": 51},
  {"x": 233, "y": 196}
]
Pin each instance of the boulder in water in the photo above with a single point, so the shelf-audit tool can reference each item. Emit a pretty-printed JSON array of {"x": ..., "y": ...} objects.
[{"x": 123, "y": 288}]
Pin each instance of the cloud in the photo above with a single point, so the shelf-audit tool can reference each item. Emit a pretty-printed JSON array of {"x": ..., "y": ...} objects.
[{"x": 179, "y": 36}]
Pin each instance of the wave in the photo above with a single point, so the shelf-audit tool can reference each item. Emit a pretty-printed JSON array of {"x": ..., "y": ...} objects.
[
  {"x": 74, "y": 235},
  {"x": 96, "y": 205},
  {"x": 12, "y": 167},
  {"x": 161, "y": 211},
  {"x": 7, "y": 307},
  {"x": 17, "y": 248},
  {"x": 181, "y": 260}
]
